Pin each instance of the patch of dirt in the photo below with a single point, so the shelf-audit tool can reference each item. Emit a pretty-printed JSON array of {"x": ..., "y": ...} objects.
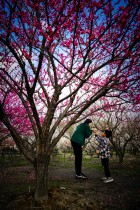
[
  {"x": 123, "y": 193},
  {"x": 68, "y": 193}
]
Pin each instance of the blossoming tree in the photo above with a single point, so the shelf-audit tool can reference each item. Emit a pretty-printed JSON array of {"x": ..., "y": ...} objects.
[{"x": 58, "y": 58}]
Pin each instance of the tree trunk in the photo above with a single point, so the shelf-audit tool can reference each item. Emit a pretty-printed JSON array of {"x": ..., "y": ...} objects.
[
  {"x": 41, "y": 171},
  {"x": 121, "y": 156}
]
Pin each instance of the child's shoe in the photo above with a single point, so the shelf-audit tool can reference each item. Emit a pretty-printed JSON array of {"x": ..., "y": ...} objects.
[{"x": 109, "y": 179}]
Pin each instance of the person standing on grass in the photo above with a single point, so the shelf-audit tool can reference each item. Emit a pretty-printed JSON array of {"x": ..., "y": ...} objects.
[
  {"x": 104, "y": 153},
  {"x": 82, "y": 132}
]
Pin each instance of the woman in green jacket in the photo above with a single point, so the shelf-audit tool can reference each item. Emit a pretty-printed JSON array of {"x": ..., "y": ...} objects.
[{"x": 82, "y": 132}]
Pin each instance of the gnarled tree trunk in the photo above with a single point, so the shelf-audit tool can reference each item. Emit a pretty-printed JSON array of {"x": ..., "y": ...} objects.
[{"x": 41, "y": 171}]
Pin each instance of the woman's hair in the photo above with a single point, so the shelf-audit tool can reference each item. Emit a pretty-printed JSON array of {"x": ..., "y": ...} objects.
[
  {"x": 87, "y": 121},
  {"x": 108, "y": 133}
]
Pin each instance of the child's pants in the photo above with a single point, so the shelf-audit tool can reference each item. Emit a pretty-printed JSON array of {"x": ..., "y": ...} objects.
[{"x": 105, "y": 164}]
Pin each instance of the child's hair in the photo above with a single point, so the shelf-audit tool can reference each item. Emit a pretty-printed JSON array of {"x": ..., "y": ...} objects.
[{"x": 108, "y": 133}]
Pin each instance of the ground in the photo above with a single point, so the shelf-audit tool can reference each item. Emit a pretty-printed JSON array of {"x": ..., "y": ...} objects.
[{"x": 68, "y": 193}]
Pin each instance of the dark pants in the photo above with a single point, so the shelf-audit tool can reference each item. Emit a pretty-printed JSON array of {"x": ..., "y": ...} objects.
[
  {"x": 78, "y": 156},
  {"x": 105, "y": 164}
]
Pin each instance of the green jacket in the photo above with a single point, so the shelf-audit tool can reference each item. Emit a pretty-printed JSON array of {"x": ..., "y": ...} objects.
[{"x": 82, "y": 132}]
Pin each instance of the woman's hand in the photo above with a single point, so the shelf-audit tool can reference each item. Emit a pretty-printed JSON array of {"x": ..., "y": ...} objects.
[
  {"x": 97, "y": 151},
  {"x": 95, "y": 130}
]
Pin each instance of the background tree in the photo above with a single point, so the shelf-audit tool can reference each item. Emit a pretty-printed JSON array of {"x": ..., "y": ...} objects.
[
  {"x": 132, "y": 128},
  {"x": 58, "y": 58},
  {"x": 124, "y": 124},
  {"x": 125, "y": 136}
]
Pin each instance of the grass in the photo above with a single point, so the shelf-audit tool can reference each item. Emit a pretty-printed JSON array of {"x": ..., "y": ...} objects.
[
  {"x": 13, "y": 160},
  {"x": 17, "y": 171},
  {"x": 16, "y": 176},
  {"x": 129, "y": 166},
  {"x": 67, "y": 161},
  {"x": 23, "y": 175}
]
